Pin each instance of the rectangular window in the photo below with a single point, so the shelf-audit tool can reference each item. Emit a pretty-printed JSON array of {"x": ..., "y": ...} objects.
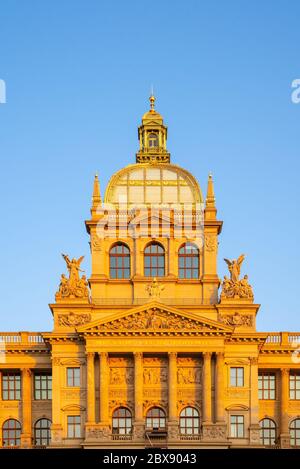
[
  {"x": 266, "y": 385},
  {"x": 237, "y": 426},
  {"x": 42, "y": 386},
  {"x": 294, "y": 385},
  {"x": 74, "y": 426},
  {"x": 73, "y": 377},
  {"x": 237, "y": 376},
  {"x": 11, "y": 386}
]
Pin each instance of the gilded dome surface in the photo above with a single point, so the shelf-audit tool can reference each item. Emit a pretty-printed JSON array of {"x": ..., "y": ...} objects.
[{"x": 157, "y": 184}]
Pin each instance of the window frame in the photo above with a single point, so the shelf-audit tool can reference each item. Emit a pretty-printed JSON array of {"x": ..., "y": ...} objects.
[
  {"x": 185, "y": 255},
  {"x": 264, "y": 385},
  {"x": 153, "y": 137},
  {"x": 48, "y": 388},
  {"x": 184, "y": 420},
  {"x": 16, "y": 430},
  {"x": 72, "y": 380},
  {"x": 296, "y": 430},
  {"x": 157, "y": 270},
  {"x": 121, "y": 272},
  {"x": 294, "y": 379},
  {"x": 265, "y": 432},
  {"x": 235, "y": 379},
  {"x": 161, "y": 417},
  {"x": 16, "y": 389},
  {"x": 39, "y": 429},
  {"x": 118, "y": 418},
  {"x": 236, "y": 425},
  {"x": 73, "y": 426}
]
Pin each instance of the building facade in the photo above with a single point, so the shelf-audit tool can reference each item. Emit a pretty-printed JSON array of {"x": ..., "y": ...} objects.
[{"x": 153, "y": 349}]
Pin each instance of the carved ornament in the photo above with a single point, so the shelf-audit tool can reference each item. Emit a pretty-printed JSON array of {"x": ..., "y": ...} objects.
[
  {"x": 73, "y": 320},
  {"x": 236, "y": 319}
]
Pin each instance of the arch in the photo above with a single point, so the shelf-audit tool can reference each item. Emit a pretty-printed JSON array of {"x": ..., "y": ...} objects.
[
  {"x": 154, "y": 260},
  {"x": 188, "y": 261},
  {"x": 122, "y": 421},
  {"x": 237, "y": 407},
  {"x": 156, "y": 419},
  {"x": 119, "y": 261},
  {"x": 267, "y": 432},
  {"x": 11, "y": 433},
  {"x": 42, "y": 432},
  {"x": 295, "y": 432},
  {"x": 189, "y": 420}
]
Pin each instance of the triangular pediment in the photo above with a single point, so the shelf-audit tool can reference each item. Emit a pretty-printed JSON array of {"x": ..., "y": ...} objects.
[{"x": 155, "y": 318}]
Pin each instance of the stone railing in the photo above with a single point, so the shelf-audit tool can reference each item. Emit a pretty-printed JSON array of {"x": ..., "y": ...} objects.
[
  {"x": 21, "y": 338},
  {"x": 282, "y": 338}
]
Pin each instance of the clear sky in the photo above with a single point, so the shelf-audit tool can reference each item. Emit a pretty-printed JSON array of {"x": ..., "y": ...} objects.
[{"x": 78, "y": 75}]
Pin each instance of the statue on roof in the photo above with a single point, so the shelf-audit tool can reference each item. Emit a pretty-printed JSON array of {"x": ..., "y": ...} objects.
[
  {"x": 74, "y": 286},
  {"x": 233, "y": 287}
]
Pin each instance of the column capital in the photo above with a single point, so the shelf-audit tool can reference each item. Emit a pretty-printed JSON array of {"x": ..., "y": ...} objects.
[
  {"x": 207, "y": 355},
  {"x": 220, "y": 354},
  {"x": 27, "y": 372},
  {"x": 103, "y": 355},
  {"x": 253, "y": 360},
  {"x": 90, "y": 354},
  {"x": 138, "y": 355},
  {"x": 172, "y": 354},
  {"x": 285, "y": 371}
]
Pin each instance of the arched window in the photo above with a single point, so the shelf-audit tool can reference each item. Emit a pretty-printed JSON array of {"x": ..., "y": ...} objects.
[
  {"x": 267, "y": 432},
  {"x": 119, "y": 261},
  {"x": 155, "y": 419},
  {"x": 11, "y": 433},
  {"x": 295, "y": 432},
  {"x": 189, "y": 421},
  {"x": 122, "y": 421},
  {"x": 153, "y": 140},
  {"x": 42, "y": 433},
  {"x": 154, "y": 260},
  {"x": 188, "y": 261}
]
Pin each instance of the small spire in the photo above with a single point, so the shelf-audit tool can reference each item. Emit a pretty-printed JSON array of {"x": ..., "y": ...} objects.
[
  {"x": 210, "y": 195},
  {"x": 152, "y": 102},
  {"x": 96, "y": 192}
]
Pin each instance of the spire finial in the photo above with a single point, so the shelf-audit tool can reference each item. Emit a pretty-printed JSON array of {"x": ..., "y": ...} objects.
[
  {"x": 210, "y": 195},
  {"x": 96, "y": 191},
  {"x": 152, "y": 100}
]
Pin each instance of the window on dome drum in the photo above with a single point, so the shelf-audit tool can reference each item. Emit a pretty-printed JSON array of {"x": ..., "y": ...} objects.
[
  {"x": 188, "y": 261},
  {"x": 73, "y": 377},
  {"x": 153, "y": 140},
  {"x": 154, "y": 260},
  {"x": 42, "y": 386},
  {"x": 266, "y": 385},
  {"x": 11, "y": 433},
  {"x": 236, "y": 376},
  {"x": 237, "y": 426},
  {"x": 119, "y": 261},
  {"x": 155, "y": 419},
  {"x": 189, "y": 421},
  {"x": 267, "y": 432},
  {"x": 122, "y": 421},
  {"x": 42, "y": 434},
  {"x": 74, "y": 426},
  {"x": 11, "y": 386},
  {"x": 295, "y": 432},
  {"x": 294, "y": 385}
]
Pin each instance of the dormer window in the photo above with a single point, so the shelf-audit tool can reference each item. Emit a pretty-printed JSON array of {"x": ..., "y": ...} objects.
[{"x": 153, "y": 140}]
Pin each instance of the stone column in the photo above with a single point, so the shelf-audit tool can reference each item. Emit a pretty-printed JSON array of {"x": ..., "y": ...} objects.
[
  {"x": 206, "y": 387},
  {"x": 284, "y": 403},
  {"x": 139, "y": 426},
  {"x": 90, "y": 386},
  {"x": 173, "y": 424},
  {"x": 56, "y": 427},
  {"x": 26, "y": 438},
  {"x": 220, "y": 387},
  {"x": 254, "y": 429},
  {"x": 172, "y": 376},
  {"x": 104, "y": 381}
]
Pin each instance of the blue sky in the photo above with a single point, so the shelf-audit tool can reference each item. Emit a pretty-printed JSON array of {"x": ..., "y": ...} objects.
[{"x": 78, "y": 75}]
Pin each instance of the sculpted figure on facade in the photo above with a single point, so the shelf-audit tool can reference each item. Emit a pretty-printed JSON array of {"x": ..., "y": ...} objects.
[
  {"x": 154, "y": 289},
  {"x": 233, "y": 287},
  {"x": 73, "y": 320},
  {"x": 74, "y": 286}
]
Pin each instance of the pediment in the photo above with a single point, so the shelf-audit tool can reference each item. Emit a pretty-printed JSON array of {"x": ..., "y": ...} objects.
[{"x": 155, "y": 319}]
